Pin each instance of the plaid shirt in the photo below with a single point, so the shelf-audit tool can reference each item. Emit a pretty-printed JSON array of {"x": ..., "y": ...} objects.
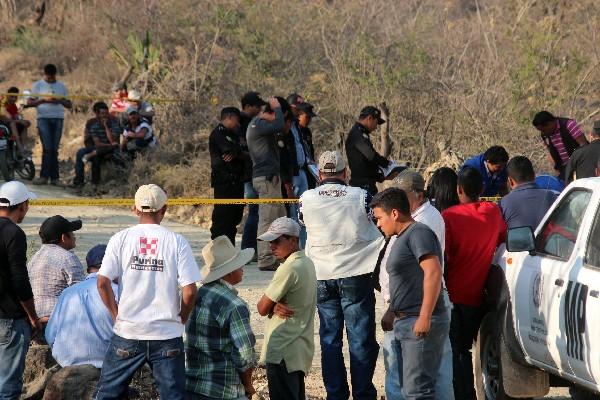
[
  {"x": 51, "y": 270},
  {"x": 220, "y": 342}
]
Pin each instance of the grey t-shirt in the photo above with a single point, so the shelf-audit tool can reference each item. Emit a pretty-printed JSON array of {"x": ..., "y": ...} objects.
[
  {"x": 406, "y": 274},
  {"x": 262, "y": 145}
]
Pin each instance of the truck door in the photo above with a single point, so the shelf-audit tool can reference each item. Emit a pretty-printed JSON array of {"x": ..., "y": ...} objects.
[
  {"x": 543, "y": 281},
  {"x": 582, "y": 308}
]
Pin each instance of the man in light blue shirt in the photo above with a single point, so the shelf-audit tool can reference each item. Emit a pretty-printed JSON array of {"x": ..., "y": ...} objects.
[
  {"x": 80, "y": 327},
  {"x": 50, "y": 102}
]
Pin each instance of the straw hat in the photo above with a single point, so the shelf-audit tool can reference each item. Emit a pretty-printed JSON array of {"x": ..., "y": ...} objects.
[{"x": 221, "y": 258}]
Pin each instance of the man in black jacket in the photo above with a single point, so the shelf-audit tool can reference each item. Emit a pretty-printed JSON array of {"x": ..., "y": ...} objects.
[
  {"x": 17, "y": 309},
  {"x": 363, "y": 160},
  {"x": 227, "y": 176}
]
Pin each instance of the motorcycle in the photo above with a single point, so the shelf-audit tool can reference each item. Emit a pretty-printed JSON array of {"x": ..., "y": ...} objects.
[{"x": 10, "y": 161}]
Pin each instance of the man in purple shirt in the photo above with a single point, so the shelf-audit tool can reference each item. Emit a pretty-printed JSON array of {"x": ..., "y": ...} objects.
[{"x": 562, "y": 136}]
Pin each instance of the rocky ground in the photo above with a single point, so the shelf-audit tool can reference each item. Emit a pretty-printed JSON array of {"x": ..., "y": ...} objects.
[{"x": 99, "y": 223}]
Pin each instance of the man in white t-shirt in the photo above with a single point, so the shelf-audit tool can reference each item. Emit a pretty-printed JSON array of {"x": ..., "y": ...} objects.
[
  {"x": 50, "y": 104},
  {"x": 150, "y": 264},
  {"x": 424, "y": 212},
  {"x": 138, "y": 134}
]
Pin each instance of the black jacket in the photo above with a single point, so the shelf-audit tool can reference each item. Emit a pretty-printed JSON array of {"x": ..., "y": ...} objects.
[
  {"x": 14, "y": 279},
  {"x": 363, "y": 159},
  {"x": 220, "y": 142}
]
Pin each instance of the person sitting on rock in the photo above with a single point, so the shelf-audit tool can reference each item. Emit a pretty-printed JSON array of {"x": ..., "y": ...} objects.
[
  {"x": 138, "y": 134},
  {"x": 54, "y": 267},
  {"x": 80, "y": 327}
]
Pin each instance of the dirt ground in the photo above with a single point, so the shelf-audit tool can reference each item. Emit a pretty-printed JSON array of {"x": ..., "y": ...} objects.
[{"x": 100, "y": 223}]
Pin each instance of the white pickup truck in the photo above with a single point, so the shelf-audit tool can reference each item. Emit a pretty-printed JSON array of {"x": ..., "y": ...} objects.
[{"x": 543, "y": 327}]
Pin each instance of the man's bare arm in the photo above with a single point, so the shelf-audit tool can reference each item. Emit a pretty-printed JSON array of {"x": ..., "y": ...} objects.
[
  {"x": 108, "y": 296},
  {"x": 188, "y": 301}
]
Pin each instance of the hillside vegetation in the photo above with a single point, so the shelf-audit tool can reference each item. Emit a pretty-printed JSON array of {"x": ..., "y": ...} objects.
[{"x": 470, "y": 73}]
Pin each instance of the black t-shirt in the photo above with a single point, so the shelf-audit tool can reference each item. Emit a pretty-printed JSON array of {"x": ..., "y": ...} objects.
[
  {"x": 405, "y": 272},
  {"x": 14, "y": 280},
  {"x": 583, "y": 161},
  {"x": 223, "y": 141}
]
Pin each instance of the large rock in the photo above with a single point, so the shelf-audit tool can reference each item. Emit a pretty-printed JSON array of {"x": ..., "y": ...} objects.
[
  {"x": 39, "y": 368},
  {"x": 73, "y": 383}
]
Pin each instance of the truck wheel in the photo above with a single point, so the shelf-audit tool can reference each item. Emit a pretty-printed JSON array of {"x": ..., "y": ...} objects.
[
  {"x": 488, "y": 365},
  {"x": 578, "y": 393}
]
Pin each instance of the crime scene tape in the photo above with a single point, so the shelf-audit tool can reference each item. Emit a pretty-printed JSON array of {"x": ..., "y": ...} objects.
[
  {"x": 85, "y": 97},
  {"x": 171, "y": 202}
]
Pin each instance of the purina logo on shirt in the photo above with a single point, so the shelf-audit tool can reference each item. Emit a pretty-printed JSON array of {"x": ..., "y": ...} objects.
[
  {"x": 146, "y": 259},
  {"x": 148, "y": 246}
]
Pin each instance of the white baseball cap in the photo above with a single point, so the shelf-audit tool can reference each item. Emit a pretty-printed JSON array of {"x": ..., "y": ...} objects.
[
  {"x": 281, "y": 226},
  {"x": 150, "y": 198},
  {"x": 134, "y": 95},
  {"x": 331, "y": 162},
  {"x": 13, "y": 193}
]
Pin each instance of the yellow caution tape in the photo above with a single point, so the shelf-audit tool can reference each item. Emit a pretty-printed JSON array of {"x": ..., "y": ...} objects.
[
  {"x": 170, "y": 202},
  {"x": 494, "y": 199},
  {"x": 84, "y": 97}
]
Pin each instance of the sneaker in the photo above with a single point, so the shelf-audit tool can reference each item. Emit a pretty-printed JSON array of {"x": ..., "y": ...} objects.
[
  {"x": 57, "y": 182},
  {"x": 40, "y": 181}
]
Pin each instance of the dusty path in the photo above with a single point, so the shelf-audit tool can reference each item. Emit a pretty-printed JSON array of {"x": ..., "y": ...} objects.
[{"x": 100, "y": 223}]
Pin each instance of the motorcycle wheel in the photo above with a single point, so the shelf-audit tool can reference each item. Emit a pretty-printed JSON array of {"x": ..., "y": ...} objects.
[
  {"x": 6, "y": 168},
  {"x": 26, "y": 169}
]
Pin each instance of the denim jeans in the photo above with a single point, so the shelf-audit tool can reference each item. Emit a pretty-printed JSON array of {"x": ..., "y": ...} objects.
[
  {"x": 15, "y": 335},
  {"x": 50, "y": 130},
  {"x": 251, "y": 225},
  {"x": 300, "y": 183},
  {"x": 349, "y": 301},
  {"x": 392, "y": 358},
  {"x": 125, "y": 356},
  {"x": 421, "y": 356}
]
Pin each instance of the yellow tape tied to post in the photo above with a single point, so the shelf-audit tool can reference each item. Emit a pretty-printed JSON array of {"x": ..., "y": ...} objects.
[{"x": 170, "y": 202}]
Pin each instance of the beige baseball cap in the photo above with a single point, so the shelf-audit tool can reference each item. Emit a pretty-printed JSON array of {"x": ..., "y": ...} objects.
[
  {"x": 409, "y": 180},
  {"x": 331, "y": 162},
  {"x": 150, "y": 198}
]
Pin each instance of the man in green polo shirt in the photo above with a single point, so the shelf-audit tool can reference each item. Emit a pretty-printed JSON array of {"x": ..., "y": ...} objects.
[{"x": 290, "y": 302}]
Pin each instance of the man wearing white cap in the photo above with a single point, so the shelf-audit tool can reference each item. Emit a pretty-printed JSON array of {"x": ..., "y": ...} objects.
[
  {"x": 17, "y": 309},
  {"x": 150, "y": 264},
  {"x": 289, "y": 345},
  {"x": 220, "y": 342},
  {"x": 343, "y": 242},
  {"x": 134, "y": 99}
]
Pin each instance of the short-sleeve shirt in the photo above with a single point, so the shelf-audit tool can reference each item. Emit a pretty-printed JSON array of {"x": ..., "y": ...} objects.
[
  {"x": 49, "y": 110},
  {"x": 292, "y": 339},
  {"x": 404, "y": 268},
  {"x": 95, "y": 129},
  {"x": 526, "y": 205},
  {"x": 150, "y": 263},
  {"x": 149, "y": 135}
]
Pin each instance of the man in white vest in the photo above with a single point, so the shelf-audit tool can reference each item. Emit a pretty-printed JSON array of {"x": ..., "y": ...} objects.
[{"x": 343, "y": 243}]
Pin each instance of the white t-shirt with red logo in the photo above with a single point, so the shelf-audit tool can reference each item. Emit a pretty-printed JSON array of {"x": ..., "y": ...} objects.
[{"x": 151, "y": 263}]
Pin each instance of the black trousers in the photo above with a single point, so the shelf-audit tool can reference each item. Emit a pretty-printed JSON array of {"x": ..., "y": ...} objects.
[
  {"x": 284, "y": 385},
  {"x": 464, "y": 325},
  {"x": 225, "y": 217}
]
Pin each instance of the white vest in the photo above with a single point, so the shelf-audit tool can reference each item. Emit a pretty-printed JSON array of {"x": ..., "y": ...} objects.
[{"x": 341, "y": 240}]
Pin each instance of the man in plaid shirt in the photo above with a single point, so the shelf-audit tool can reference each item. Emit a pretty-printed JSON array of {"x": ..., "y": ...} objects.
[{"x": 220, "y": 342}]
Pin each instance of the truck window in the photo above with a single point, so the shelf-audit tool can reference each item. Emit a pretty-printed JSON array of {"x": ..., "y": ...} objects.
[
  {"x": 559, "y": 234},
  {"x": 592, "y": 253}
]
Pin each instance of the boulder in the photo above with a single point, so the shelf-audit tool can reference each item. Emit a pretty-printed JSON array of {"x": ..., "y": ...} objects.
[
  {"x": 77, "y": 382},
  {"x": 39, "y": 368}
]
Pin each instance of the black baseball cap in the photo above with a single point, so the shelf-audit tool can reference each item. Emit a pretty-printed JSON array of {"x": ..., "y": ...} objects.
[
  {"x": 372, "y": 111},
  {"x": 54, "y": 227},
  {"x": 252, "y": 99},
  {"x": 295, "y": 99},
  {"x": 306, "y": 108}
]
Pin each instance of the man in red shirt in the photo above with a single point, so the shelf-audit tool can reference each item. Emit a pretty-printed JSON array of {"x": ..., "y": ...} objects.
[
  {"x": 16, "y": 119},
  {"x": 474, "y": 229}
]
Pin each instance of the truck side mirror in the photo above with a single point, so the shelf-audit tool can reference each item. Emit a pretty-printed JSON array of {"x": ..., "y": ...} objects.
[{"x": 520, "y": 239}]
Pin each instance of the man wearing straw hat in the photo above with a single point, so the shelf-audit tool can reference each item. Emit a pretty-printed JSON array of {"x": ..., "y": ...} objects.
[
  {"x": 289, "y": 345},
  {"x": 220, "y": 342},
  {"x": 151, "y": 264}
]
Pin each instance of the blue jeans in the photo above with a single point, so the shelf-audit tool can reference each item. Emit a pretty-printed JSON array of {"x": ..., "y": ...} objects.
[
  {"x": 421, "y": 356},
  {"x": 392, "y": 358},
  {"x": 300, "y": 183},
  {"x": 125, "y": 356},
  {"x": 50, "y": 130},
  {"x": 251, "y": 225},
  {"x": 15, "y": 335},
  {"x": 350, "y": 301}
]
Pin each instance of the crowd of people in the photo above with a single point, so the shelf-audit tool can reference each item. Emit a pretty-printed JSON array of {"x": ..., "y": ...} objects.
[
  {"x": 114, "y": 134},
  {"x": 426, "y": 247}
]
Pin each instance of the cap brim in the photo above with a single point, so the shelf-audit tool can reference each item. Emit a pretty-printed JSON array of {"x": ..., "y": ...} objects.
[
  {"x": 243, "y": 258},
  {"x": 75, "y": 225},
  {"x": 269, "y": 236},
  {"x": 380, "y": 121}
]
